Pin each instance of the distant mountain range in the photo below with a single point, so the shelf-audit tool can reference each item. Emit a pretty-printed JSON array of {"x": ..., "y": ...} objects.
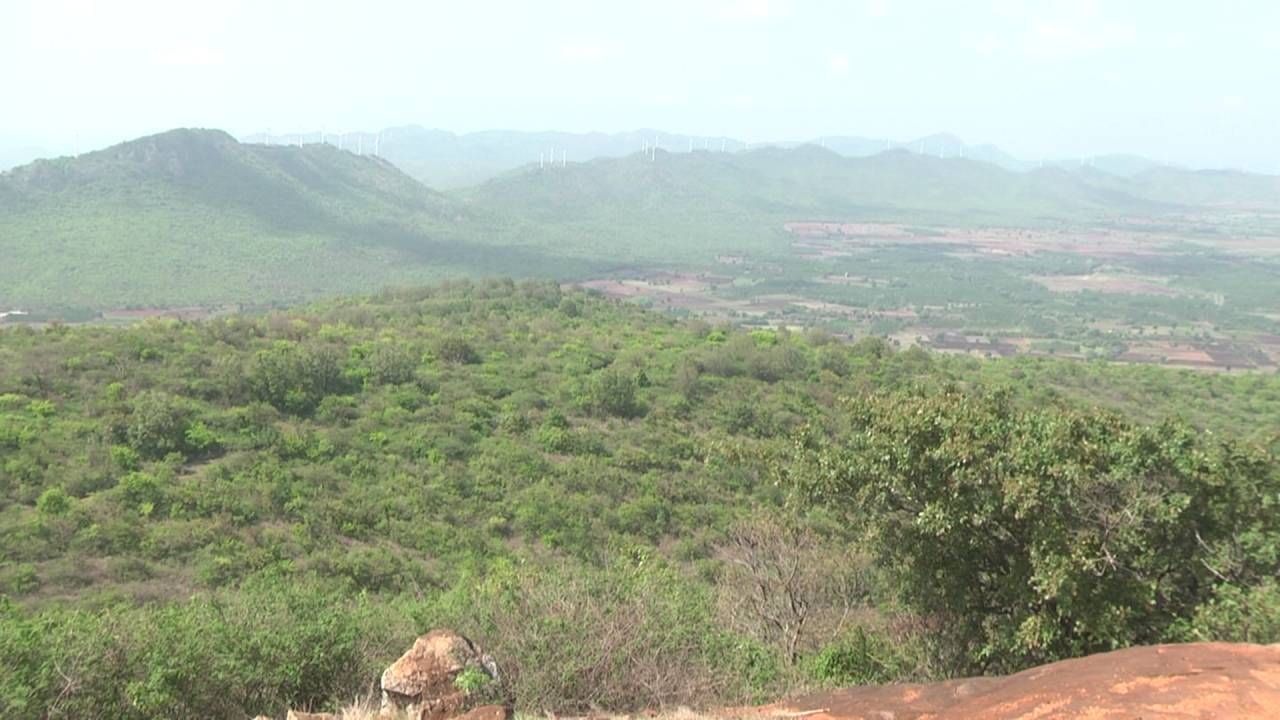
[
  {"x": 195, "y": 217},
  {"x": 447, "y": 160}
]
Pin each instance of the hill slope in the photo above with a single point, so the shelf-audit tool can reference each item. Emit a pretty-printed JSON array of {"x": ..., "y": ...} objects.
[
  {"x": 229, "y": 517},
  {"x": 193, "y": 217}
]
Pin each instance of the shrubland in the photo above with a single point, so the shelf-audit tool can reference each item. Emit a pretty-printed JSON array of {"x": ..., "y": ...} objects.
[{"x": 233, "y": 516}]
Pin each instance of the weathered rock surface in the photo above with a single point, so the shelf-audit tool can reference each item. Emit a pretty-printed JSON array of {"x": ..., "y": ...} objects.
[
  {"x": 421, "y": 682},
  {"x": 1222, "y": 681}
]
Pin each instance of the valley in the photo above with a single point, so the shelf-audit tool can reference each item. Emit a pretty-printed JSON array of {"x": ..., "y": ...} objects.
[
  {"x": 1086, "y": 293},
  {"x": 1164, "y": 266}
]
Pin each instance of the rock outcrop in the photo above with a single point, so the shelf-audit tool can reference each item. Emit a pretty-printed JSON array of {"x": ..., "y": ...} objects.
[
  {"x": 422, "y": 683},
  {"x": 1200, "y": 680}
]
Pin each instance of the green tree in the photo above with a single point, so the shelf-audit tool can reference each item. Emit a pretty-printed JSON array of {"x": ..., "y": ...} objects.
[
  {"x": 157, "y": 424},
  {"x": 612, "y": 392},
  {"x": 53, "y": 502},
  {"x": 1046, "y": 533},
  {"x": 296, "y": 377}
]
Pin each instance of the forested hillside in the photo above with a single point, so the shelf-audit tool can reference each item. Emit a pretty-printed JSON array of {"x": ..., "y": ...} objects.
[
  {"x": 191, "y": 217},
  {"x": 241, "y": 515}
]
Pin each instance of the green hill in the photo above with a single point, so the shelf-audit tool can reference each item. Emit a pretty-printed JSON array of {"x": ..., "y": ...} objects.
[
  {"x": 1211, "y": 188},
  {"x": 809, "y": 179},
  {"x": 688, "y": 207},
  {"x": 194, "y": 217}
]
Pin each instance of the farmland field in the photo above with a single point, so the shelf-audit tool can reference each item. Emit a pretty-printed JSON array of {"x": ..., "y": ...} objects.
[{"x": 1192, "y": 291}]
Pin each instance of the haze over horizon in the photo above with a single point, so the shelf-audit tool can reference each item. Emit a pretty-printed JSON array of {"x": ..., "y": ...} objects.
[{"x": 1040, "y": 79}]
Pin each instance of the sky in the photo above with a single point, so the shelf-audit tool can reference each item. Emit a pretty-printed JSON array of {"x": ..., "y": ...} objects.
[{"x": 1184, "y": 81}]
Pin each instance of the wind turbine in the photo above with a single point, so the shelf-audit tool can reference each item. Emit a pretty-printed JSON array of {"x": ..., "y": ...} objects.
[{"x": 377, "y": 144}]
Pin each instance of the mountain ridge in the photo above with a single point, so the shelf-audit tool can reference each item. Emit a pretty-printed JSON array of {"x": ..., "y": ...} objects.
[
  {"x": 448, "y": 160},
  {"x": 195, "y": 214}
]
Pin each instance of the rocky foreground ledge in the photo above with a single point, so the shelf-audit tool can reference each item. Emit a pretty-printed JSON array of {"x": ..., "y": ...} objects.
[
  {"x": 1161, "y": 682},
  {"x": 1218, "y": 681}
]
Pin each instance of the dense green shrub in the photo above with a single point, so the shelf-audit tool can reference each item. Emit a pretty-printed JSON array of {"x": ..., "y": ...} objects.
[
  {"x": 1236, "y": 614},
  {"x": 860, "y": 657},
  {"x": 295, "y": 378},
  {"x": 456, "y": 349},
  {"x": 268, "y": 647},
  {"x": 612, "y": 392},
  {"x": 157, "y": 424},
  {"x": 1045, "y": 533}
]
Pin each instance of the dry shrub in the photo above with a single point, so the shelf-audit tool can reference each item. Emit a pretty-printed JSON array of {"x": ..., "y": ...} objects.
[
  {"x": 787, "y": 587},
  {"x": 628, "y": 636}
]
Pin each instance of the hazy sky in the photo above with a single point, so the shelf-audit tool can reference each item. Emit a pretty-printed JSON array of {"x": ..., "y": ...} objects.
[{"x": 1192, "y": 81}]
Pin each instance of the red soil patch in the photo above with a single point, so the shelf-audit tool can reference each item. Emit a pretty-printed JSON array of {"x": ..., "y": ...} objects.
[
  {"x": 1194, "y": 355},
  {"x": 991, "y": 241},
  {"x": 1201, "y": 680}
]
